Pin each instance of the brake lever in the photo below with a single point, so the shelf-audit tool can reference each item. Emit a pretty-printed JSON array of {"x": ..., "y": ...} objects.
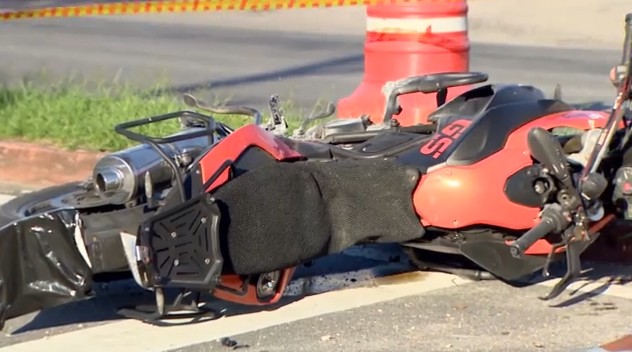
[
  {"x": 391, "y": 107},
  {"x": 276, "y": 113},
  {"x": 576, "y": 243},
  {"x": 549, "y": 259},
  {"x": 330, "y": 110},
  {"x": 193, "y": 102},
  {"x": 277, "y": 124}
]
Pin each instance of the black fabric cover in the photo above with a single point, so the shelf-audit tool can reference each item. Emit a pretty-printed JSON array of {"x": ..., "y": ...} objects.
[
  {"x": 286, "y": 214},
  {"x": 40, "y": 265}
]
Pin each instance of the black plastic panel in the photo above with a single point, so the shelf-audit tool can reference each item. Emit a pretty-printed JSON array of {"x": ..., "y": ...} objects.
[
  {"x": 494, "y": 256},
  {"x": 40, "y": 264},
  {"x": 252, "y": 158},
  {"x": 520, "y": 189},
  {"x": 488, "y": 134},
  {"x": 474, "y": 102},
  {"x": 494, "y": 111},
  {"x": 387, "y": 141},
  {"x": 183, "y": 245}
]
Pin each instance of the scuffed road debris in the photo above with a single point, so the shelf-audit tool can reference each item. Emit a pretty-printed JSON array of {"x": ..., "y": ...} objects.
[{"x": 228, "y": 342}]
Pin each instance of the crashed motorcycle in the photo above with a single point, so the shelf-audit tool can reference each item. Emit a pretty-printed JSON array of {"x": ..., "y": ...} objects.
[{"x": 501, "y": 175}]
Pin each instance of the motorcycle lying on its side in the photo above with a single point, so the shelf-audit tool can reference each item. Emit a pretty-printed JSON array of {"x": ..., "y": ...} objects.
[{"x": 501, "y": 175}]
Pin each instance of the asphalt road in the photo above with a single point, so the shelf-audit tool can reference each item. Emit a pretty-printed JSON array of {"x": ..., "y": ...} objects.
[
  {"x": 427, "y": 312},
  {"x": 485, "y": 316},
  {"x": 247, "y": 65}
]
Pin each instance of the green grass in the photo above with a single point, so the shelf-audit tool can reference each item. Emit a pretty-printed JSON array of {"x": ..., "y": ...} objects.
[{"x": 76, "y": 116}]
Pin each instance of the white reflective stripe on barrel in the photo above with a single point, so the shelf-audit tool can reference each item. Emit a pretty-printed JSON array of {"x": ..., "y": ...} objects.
[{"x": 417, "y": 25}]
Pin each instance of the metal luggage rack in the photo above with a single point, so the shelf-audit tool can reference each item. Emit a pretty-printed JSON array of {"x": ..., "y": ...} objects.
[{"x": 209, "y": 128}]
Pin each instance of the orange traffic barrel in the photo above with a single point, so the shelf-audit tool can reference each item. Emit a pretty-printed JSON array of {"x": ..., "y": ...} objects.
[{"x": 409, "y": 39}]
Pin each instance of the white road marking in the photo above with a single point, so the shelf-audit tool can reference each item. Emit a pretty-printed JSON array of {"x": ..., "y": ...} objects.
[
  {"x": 5, "y": 198},
  {"x": 131, "y": 335}
]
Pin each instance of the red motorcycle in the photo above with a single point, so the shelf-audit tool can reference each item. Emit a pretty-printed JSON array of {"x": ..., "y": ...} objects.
[{"x": 501, "y": 175}]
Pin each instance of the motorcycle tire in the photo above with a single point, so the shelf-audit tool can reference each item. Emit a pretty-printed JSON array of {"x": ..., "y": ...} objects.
[{"x": 102, "y": 224}]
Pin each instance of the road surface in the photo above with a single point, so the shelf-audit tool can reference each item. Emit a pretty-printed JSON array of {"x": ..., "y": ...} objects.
[{"x": 245, "y": 62}]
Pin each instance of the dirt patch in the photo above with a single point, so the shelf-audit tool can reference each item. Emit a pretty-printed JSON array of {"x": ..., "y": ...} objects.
[{"x": 35, "y": 166}]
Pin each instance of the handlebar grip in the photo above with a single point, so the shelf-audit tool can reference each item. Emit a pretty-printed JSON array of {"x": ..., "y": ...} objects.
[
  {"x": 627, "y": 39},
  {"x": 547, "y": 225}
]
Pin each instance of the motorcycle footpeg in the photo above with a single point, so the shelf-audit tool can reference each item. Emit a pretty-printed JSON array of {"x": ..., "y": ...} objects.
[{"x": 177, "y": 310}]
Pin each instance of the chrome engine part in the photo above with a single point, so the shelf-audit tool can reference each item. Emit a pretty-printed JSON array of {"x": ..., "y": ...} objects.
[
  {"x": 267, "y": 284},
  {"x": 121, "y": 176}
]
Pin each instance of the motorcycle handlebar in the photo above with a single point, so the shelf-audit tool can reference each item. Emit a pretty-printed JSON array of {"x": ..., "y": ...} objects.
[
  {"x": 545, "y": 227},
  {"x": 552, "y": 220}
]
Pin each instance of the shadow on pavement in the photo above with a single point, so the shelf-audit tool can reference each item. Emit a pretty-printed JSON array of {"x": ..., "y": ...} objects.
[
  {"x": 343, "y": 65},
  {"x": 594, "y": 272},
  {"x": 104, "y": 307},
  {"x": 115, "y": 295}
]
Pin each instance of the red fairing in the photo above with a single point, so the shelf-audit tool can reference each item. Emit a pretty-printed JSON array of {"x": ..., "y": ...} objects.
[
  {"x": 444, "y": 196},
  {"x": 231, "y": 147}
]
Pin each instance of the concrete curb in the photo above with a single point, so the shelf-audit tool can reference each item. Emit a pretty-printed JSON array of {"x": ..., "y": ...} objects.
[{"x": 29, "y": 166}]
